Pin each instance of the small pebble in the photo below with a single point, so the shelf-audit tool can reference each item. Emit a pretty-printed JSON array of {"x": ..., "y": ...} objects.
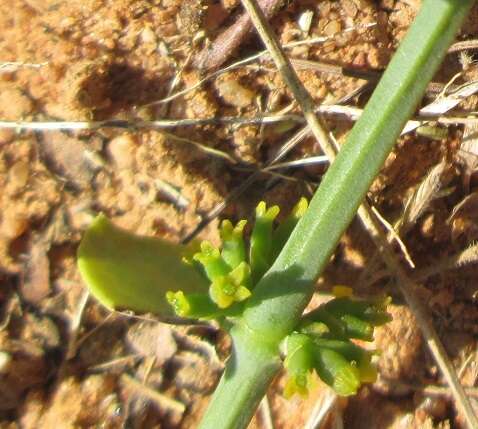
[
  {"x": 332, "y": 28},
  {"x": 121, "y": 150},
  {"x": 19, "y": 174},
  {"x": 148, "y": 37},
  {"x": 6, "y": 135},
  {"x": 350, "y": 8},
  {"x": 5, "y": 359},
  {"x": 305, "y": 20},
  {"x": 15, "y": 105},
  {"x": 234, "y": 93},
  {"x": 13, "y": 224}
]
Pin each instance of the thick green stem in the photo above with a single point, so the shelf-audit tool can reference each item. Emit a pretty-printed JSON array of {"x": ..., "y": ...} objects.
[
  {"x": 281, "y": 296},
  {"x": 249, "y": 372}
]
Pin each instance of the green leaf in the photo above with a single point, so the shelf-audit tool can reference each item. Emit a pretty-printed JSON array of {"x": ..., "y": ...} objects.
[{"x": 126, "y": 271}]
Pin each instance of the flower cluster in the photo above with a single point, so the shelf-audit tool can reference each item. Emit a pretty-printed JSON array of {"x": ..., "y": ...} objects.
[
  {"x": 322, "y": 345},
  {"x": 234, "y": 268}
]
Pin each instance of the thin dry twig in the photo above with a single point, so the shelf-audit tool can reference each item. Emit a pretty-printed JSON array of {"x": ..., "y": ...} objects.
[
  {"x": 259, "y": 55},
  {"x": 76, "y": 324},
  {"x": 266, "y": 413},
  {"x": 229, "y": 40},
  {"x": 334, "y": 110},
  {"x": 409, "y": 290},
  {"x": 201, "y": 147},
  {"x": 289, "y": 75},
  {"x": 163, "y": 401},
  {"x": 465, "y": 257},
  {"x": 393, "y": 235},
  {"x": 124, "y": 124},
  {"x": 421, "y": 198},
  {"x": 88, "y": 334},
  {"x": 460, "y": 259},
  {"x": 433, "y": 390},
  {"x": 121, "y": 362},
  {"x": 321, "y": 410},
  {"x": 463, "y": 46},
  {"x": 468, "y": 153},
  {"x": 133, "y": 124},
  {"x": 407, "y": 286},
  {"x": 465, "y": 364},
  {"x": 418, "y": 202},
  {"x": 12, "y": 66}
]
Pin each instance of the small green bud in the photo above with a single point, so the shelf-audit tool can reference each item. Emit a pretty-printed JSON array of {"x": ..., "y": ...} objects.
[
  {"x": 283, "y": 231},
  {"x": 261, "y": 240},
  {"x": 373, "y": 311},
  {"x": 334, "y": 325},
  {"x": 357, "y": 356},
  {"x": 356, "y": 328},
  {"x": 210, "y": 258},
  {"x": 337, "y": 371},
  {"x": 298, "y": 383},
  {"x": 299, "y": 363},
  {"x": 179, "y": 303},
  {"x": 194, "y": 305},
  {"x": 233, "y": 248}
]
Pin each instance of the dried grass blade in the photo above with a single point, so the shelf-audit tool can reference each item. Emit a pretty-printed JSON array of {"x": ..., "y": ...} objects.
[{"x": 422, "y": 196}]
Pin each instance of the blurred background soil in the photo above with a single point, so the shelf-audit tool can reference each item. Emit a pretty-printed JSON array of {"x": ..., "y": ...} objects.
[{"x": 66, "y": 362}]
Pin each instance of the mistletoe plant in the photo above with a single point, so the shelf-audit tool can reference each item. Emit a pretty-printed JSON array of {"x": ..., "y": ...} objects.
[{"x": 259, "y": 292}]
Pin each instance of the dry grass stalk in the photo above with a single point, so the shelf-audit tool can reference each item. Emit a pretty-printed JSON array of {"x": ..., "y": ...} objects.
[
  {"x": 322, "y": 409},
  {"x": 214, "y": 55},
  {"x": 421, "y": 198},
  {"x": 468, "y": 153},
  {"x": 163, "y": 401},
  {"x": 266, "y": 414},
  {"x": 460, "y": 259}
]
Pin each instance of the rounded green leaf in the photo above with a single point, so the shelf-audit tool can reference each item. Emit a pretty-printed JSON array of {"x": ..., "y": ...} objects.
[{"x": 126, "y": 271}]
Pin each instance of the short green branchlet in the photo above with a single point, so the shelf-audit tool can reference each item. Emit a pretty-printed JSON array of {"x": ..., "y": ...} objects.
[{"x": 232, "y": 270}]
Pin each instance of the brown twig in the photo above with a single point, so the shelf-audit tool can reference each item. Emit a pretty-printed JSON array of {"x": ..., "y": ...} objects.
[
  {"x": 163, "y": 401},
  {"x": 213, "y": 56},
  {"x": 463, "y": 46},
  {"x": 367, "y": 217}
]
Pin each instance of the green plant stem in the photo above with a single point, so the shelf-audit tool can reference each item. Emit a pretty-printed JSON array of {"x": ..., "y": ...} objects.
[
  {"x": 282, "y": 294},
  {"x": 248, "y": 373}
]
